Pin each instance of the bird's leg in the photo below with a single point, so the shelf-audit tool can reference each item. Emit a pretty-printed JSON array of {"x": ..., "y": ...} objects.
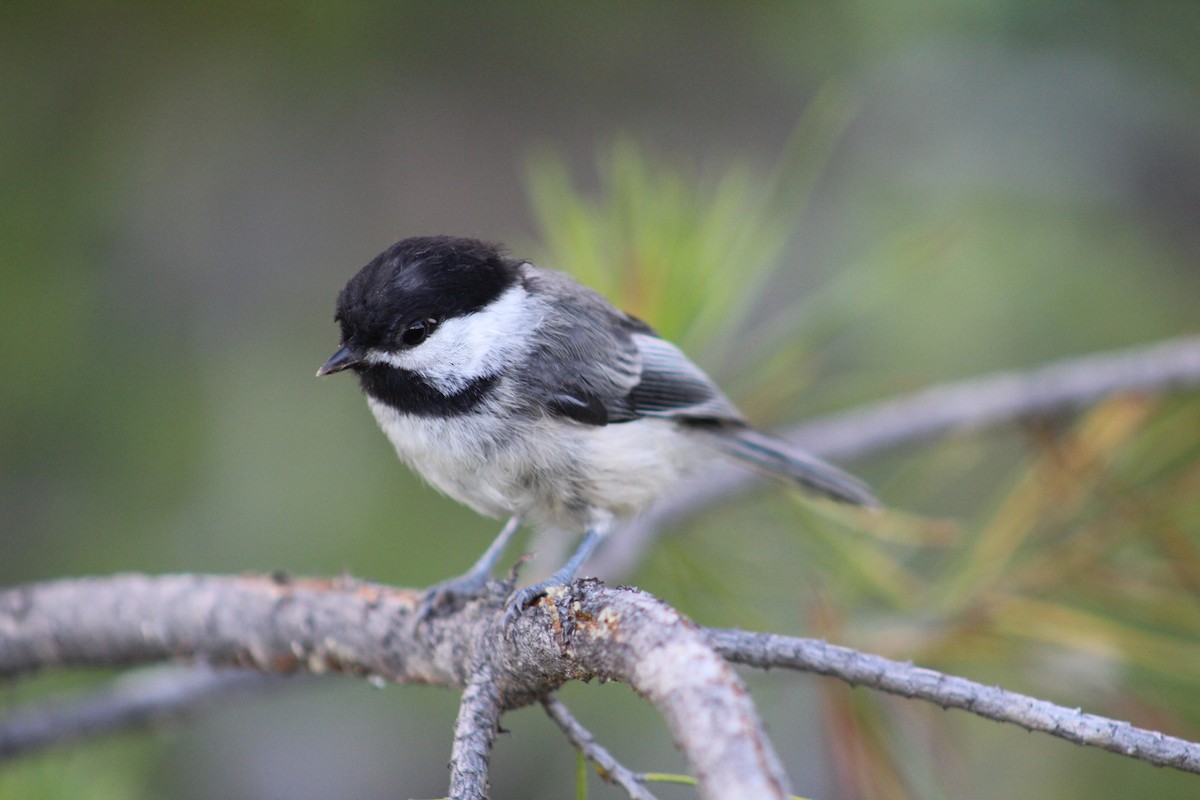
[
  {"x": 522, "y": 598},
  {"x": 470, "y": 583}
]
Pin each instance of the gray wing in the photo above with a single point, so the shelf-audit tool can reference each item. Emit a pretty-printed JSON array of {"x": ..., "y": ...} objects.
[
  {"x": 670, "y": 385},
  {"x": 597, "y": 365}
]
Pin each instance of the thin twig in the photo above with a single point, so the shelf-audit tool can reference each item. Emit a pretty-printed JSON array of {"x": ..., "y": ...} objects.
[
  {"x": 948, "y": 691},
  {"x": 474, "y": 734},
  {"x": 1004, "y": 397},
  {"x": 948, "y": 408},
  {"x": 141, "y": 699},
  {"x": 609, "y": 768}
]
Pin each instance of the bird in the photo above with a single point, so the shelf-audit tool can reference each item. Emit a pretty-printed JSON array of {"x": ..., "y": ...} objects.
[{"x": 523, "y": 394}]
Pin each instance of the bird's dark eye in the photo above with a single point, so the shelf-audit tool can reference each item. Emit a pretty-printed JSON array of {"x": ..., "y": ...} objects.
[{"x": 418, "y": 332}]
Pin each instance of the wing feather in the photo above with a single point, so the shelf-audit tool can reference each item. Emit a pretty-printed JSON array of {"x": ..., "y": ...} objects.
[
  {"x": 598, "y": 366},
  {"x": 672, "y": 386}
]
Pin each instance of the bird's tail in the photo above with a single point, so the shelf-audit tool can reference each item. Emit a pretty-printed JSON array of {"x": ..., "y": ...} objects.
[{"x": 781, "y": 460}]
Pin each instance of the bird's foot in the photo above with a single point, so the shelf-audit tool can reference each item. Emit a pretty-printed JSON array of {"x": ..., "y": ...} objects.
[
  {"x": 522, "y": 599},
  {"x": 451, "y": 594}
]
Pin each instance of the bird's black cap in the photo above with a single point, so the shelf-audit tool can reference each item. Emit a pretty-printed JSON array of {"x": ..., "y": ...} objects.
[{"x": 423, "y": 277}]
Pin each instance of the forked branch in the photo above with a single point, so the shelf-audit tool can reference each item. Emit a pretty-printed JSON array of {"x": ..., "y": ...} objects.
[{"x": 273, "y": 625}]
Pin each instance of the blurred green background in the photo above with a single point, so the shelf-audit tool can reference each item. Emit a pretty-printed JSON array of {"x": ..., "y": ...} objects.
[{"x": 826, "y": 203}]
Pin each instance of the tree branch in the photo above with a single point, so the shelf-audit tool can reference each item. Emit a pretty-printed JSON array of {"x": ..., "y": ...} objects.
[
  {"x": 149, "y": 697},
  {"x": 766, "y": 650},
  {"x": 474, "y": 734},
  {"x": 364, "y": 629},
  {"x": 973, "y": 404},
  {"x": 281, "y": 625},
  {"x": 609, "y": 768}
]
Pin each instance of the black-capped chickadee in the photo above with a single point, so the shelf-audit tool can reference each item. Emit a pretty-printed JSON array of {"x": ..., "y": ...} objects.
[{"x": 523, "y": 394}]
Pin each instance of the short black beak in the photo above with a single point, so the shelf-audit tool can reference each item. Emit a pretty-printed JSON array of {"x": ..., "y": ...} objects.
[{"x": 342, "y": 359}]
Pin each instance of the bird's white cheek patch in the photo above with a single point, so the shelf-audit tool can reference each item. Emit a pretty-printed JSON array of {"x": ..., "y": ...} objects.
[{"x": 463, "y": 349}]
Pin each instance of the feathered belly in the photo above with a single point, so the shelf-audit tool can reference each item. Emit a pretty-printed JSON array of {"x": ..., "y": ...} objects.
[{"x": 556, "y": 472}]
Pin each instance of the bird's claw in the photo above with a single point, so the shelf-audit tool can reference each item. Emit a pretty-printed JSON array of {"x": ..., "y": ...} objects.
[
  {"x": 450, "y": 594},
  {"x": 522, "y": 599}
]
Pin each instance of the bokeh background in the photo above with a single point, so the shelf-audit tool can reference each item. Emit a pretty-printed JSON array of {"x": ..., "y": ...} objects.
[{"x": 827, "y": 203}]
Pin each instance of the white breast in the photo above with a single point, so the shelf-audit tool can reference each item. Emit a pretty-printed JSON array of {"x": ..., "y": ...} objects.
[{"x": 554, "y": 471}]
